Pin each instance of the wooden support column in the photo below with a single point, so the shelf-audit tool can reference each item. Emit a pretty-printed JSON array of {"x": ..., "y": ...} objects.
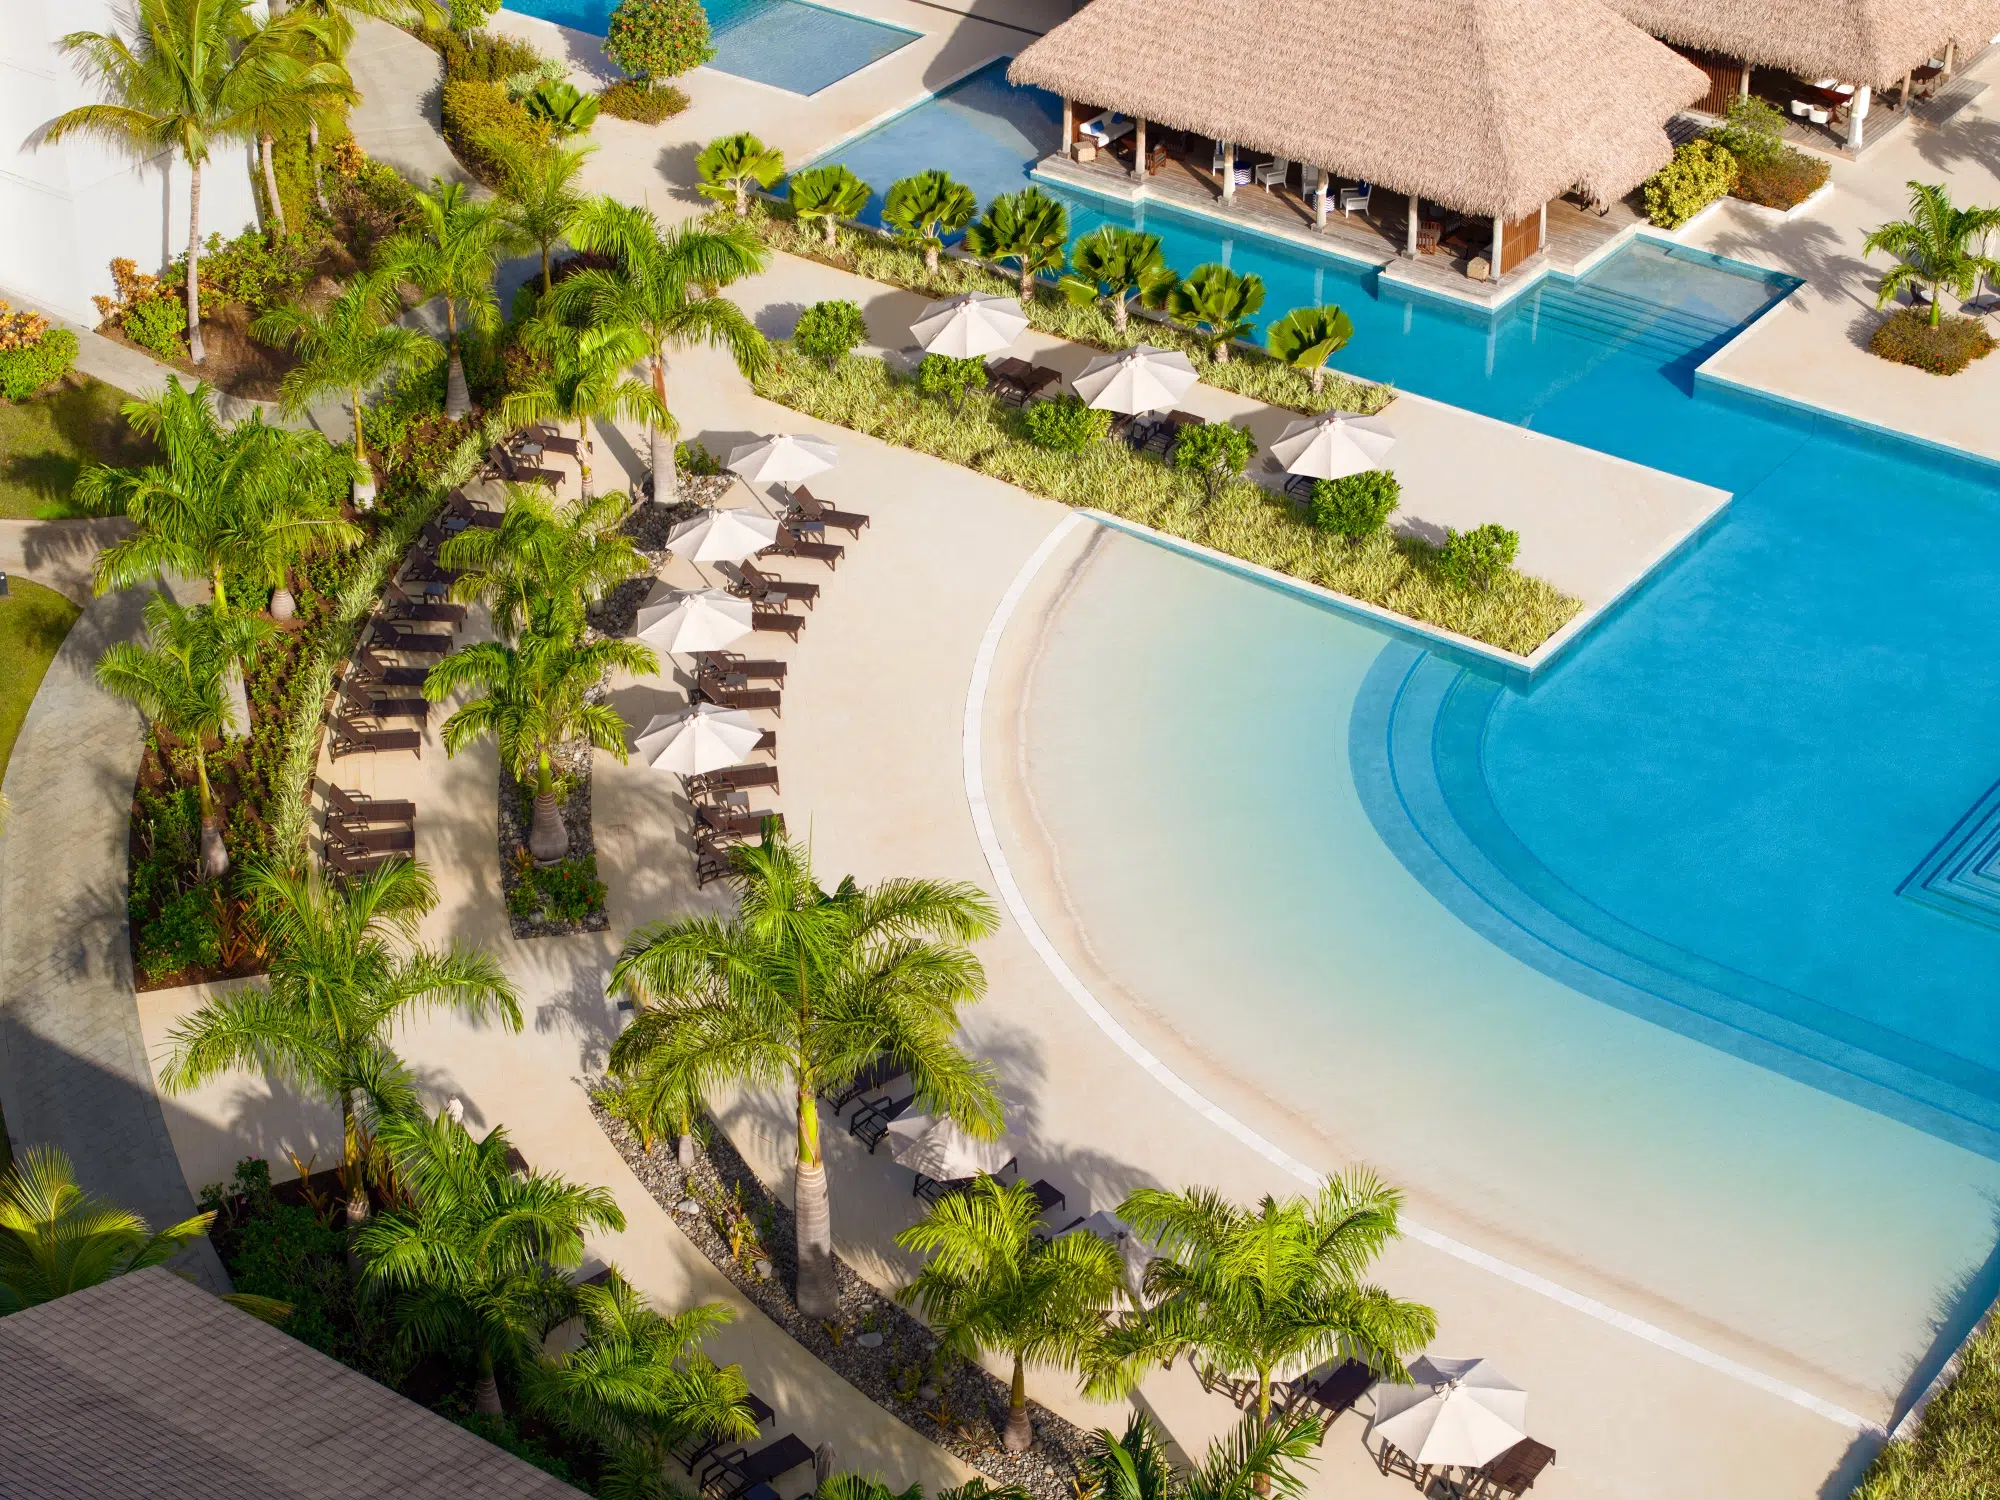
[
  {"x": 1950, "y": 56},
  {"x": 1069, "y": 126},
  {"x": 1229, "y": 171},
  {"x": 1410, "y": 248},
  {"x": 1542, "y": 230},
  {"x": 1139, "y": 147},
  {"x": 1499, "y": 240}
]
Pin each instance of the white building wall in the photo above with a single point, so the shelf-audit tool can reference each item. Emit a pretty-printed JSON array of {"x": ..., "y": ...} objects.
[{"x": 67, "y": 210}]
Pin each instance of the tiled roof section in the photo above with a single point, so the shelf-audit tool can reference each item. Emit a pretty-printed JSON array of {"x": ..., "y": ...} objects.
[{"x": 149, "y": 1386}]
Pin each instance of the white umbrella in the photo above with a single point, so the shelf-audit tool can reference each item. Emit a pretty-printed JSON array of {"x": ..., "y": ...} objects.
[
  {"x": 724, "y": 536},
  {"x": 678, "y": 620},
  {"x": 782, "y": 458},
  {"x": 1135, "y": 1252},
  {"x": 703, "y": 737},
  {"x": 1138, "y": 379},
  {"x": 1458, "y": 1411},
  {"x": 1334, "y": 445},
  {"x": 974, "y": 324},
  {"x": 939, "y": 1150}
]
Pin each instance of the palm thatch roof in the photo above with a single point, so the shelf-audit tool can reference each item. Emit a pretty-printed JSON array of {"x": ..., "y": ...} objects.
[
  {"x": 1486, "y": 106},
  {"x": 1859, "y": 41}
]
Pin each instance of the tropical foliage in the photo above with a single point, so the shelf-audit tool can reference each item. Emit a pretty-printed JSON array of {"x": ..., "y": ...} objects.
[
  {"x": 453, "y": 254},
  {"x": 656, "y": 40},
  {"x": 1213, "y": 453},
  {"x": 586, "y": 381},
  {"x": 1934, "y": 248},
  {"x": 826, "y": 195},
  {"x": 729, "y": 164},
  {"x": 1257, "y": 1459},
  {"x": 926, "y": 209},
  {"x": 1473, "y": 559},
  {"x": 1116, "y": 265},
  {"x": 539, "y": 195},
  {"x": 1356, "y": 506},
  {"x": 56, "y": 1239},
  {"x": 1307, "y": 337},
  {"x": 1218, "y": 303},
  {"x": 830, "y": 331},
  {"x": 546, "y": 562},
  {"x": 1028, "y": 228}
]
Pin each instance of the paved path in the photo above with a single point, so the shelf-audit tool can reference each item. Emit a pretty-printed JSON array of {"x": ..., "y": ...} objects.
[
  {"x": 401, "y": 82},
  {"x": 58, "y": 554}
]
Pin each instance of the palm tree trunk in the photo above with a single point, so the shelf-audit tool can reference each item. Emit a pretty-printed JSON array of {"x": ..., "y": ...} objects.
[
  {"x": 1020, "y": 1435},
  {"x": 195, "y": 351},
  {"x": 819, "y": 1287},
  {"x": 486, "y": 1394},
  {"x": 1937, "y": 304},
  {"x": 457, "y": 395},
  {"x": 1027, "y": 283},
  {"x": 832, "y": 232},
  {"x": 1263, "y": 1419},
  {"x": 547, "y": 839},
  {"x": 1121, "y": 313},
  {"x": 546, "y": 283},
  {"x": 666, "y": 477},
  {"x": 214, "y": 856},
  {"x": 284, "y": 604},
  {"x": 931, "y": 257},
  {"x": 358, "y": 1206},
  {"x": 584, "y": 489},
  {"x": 1219, "y": 351},
  {"x": 264, "y": 155},
  {"x": 1318, "y": 378},
  {"x": 742, "y": 196},
  {"x": 312, "y": 157}
]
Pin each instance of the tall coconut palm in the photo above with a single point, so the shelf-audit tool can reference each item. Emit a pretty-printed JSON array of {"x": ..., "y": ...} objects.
[
  {"x": 178, "y": 680},
  {"x": 1307, "y": 337},
  {"x": 728, "y": 165},
  {"x": 546, "y": 561},
  {"x": 1933, "y": 248},
  {"x": 345, "y": 348},
  {"x": 537, "y": 698},
  {"x": 587, "y": 382},
  {"x": 345, "y": 972},
  {"x": 56, "y": 1239},
  {"x": 538, "y": 194},
  {"x": 199, "y": 75},
  {"x": 244, "y": 499},
  {"x": 923, "y": 209},
  {"x": 1116, "y": 264},
  {"x": 335, "y": 20},
  {"x": 474, "y": 1256},
  {"x": 826, "y": 195},
  {"x": 453, "y": 253},
  {"x": 666, "y": 286},
  {"x": 1251, "y": 1291},
  {"x": 991, "y": 1284},
  {"x": 1029, "y": 228},
  {"x": 1217, "y": 303},
  {"x": 801, "y": 988}
]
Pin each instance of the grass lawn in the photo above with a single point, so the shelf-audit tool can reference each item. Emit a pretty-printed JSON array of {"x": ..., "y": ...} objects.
[
  {"x": 46, "y": 440},
  {"x": 33, "y": 622}
]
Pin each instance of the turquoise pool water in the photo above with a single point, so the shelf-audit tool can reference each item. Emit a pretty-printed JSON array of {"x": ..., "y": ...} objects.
[{"x": 785, "y": 43}]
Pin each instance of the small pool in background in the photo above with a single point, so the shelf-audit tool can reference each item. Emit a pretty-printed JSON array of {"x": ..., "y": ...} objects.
[{"x": 788, "y": 44}]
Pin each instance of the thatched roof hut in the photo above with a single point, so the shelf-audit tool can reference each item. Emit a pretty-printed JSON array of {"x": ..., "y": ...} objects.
[
  {"x": 1859, "y": 41},
  {"x": 1487, "y": 106}
]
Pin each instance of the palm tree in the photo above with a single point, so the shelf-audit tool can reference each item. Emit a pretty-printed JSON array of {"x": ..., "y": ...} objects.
[
  {"x": 1116, "y": 264},
  {"x": 1029, "y": 228},
  {"x": 1307, "y": 337},
  {"x": 655, "y": 1102},
  {"x": 927, "y": 207},
  {"x": 1249, "y": 1291},
  {"x": 640, "y": 1385},
  {"x": 454, "y": 253},
  {"x": 539, "y": 193},
  {"x": 199, "y": 75},
  {"x": 666, "y": 286},
  {"x": 802, "y": 988},
  {"x": 56, "y": 1239},
  {"x": 728, "y": 165},
  {"x": 1934, "y": 248},
  {"x": 991, "y": 1284},
  {"x": 1218, "y": 303},
  {"x": 177, "y": 681},
  {"x": 828, "y": 194},
  {"x": 1253, "y": 1460},
  {"x": 537, "y": 699},
  {"x": 335, "y": 26},
  {"x": 546, "y": 561},
  {"x": 344, "y": 349},
  {"x": 476, "y": 1255},
  {"x": 325, "y": 89},
  {"x": 345, "y": 971},
  {"x": 586, "y": 382},
  {"x": 243, "y": 499}
]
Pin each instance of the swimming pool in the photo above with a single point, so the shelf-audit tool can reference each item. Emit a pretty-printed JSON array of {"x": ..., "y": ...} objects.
[{"x": 788, "y": 44}]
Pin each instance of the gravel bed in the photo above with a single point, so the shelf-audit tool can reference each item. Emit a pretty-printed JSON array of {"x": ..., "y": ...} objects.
[
  {"x": 517, "y": 811},
  {"x": 955, "y": 1404}
]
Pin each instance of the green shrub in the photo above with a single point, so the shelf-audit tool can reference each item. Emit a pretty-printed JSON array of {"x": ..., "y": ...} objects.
[
  {"x": 1473, "y": 559},
  {"x": 470, "y": 15},
  {"x": 830, "y": 331},
  {"x": 1064, "y": 425},
  {"x": 1785, "y": 181},
  {"x": 693, "y": 458},
  {"x": 485, "y": 56},
  {"x": 1213, "y": 454},
  {"x": 158, "y": 324},
  {"x": 951, "y": 379},
  {"x": 1752, "y": 131},
  {"x": 560, "y": 107},
  {"x": 503, "y": 1433},
  {"x": 1356, "y": 506},
  {"x": 182, "y": 936},
  {"x": 478, "y": 116},
  {"x": 255, "y": 270},
  {"x": 33, "y": 367},
  {"x": 1700, "y": 172},
  {"x": 1906, "y": 336},
  {"x": 656, "y": 39},
  {"x": 629, "y": 99},
  {"x": 566, "y": 891}
]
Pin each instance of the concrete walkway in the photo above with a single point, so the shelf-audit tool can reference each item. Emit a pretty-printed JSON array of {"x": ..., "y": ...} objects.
[
  {"x": 58, "y": 554},
  {"x": 401, "y": 83}
]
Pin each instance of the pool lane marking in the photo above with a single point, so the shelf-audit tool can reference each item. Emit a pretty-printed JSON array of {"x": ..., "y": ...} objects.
[{"x": 973, "y": 752}]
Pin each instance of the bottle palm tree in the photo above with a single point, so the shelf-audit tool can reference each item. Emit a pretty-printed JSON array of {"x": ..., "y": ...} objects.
[
  {"x": 474, "y": 1258},
  {"x": 538, "y": 193},
  {"x": 1248, "y": 1291},
  {"x": 925, "y": 208},
  {"x": 827, "y": 195},
  {"x": 653, "y": 1103},
  {"x": 802, "y": 988},
  {"x": 200, "y": 75},
  {"x": 345, "y": 971},
  {"x": 586, "y": 382},
  {"x": 1253, "y": 1460},
  {"x": 1029, "y": 228},
  {"x": 1933, "y": 248},
  {"x": 344, "y": 349},
  {"x": 1217, "y": 303},
  {"x": 728, "y": 165},
  {"x": 992, "y": 1285},
  {"x": 537, "y": 699},
  {"x": 546, "y": 561},
  {"x": 454, "y": 252},
  {"x": 56, "y": 1239},
  {"x": 1116, "y": 264},
  {"x": 177, "y": 680},
  {"x": 667, "y": 287},
  {"x": 1307, "y": 337}
]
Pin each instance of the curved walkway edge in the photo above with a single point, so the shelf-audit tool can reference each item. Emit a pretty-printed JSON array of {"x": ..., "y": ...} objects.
[{"x": 1180, "y": 1088}]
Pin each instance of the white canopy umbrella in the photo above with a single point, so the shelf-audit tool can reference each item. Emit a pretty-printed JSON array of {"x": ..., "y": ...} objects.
[
  {"x": 724, "y": 536},
  {"x": 939, "y": 1150},
  {"x": 1135, "y": 1252},
  {"x": 1458, "y": 1411},
  {"x": 683, "y": 620},
  {"x": 971, "y": 325},
  {"x": 700, "y": 738},
  {"x": 782, "y": 458},
  {"x": 1334, "y": 445},
  {"x": 1138, "y": 379}
]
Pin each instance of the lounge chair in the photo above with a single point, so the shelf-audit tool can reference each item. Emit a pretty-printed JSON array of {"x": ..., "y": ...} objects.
[
  {"x": 757, "y": 584},
  {"x": 371, "y": 840},
  {"x": 1514, "y": 1472},
  {"x": 1005, "y": 374},
  {"x": 464, "y": 508},
  {"x": 807, "y": 507},
  {"x": 712, "y": 864},
  {"x": 422, "y": 611},
  {"x": 731, "y": 779},
  {"x": 696, "y": 1449},
  {"x": 344, "y": 859},
  {"x": 1273, "y": 173},
  {"x": 791, "y": 544},
  {"x": 871, "y": 1124},
  {"x": 505, "y": 465},
  {"x": 1354, "y": 198},
  {"x": 1037, "y": 384},
  {"x": 742, "y": 825},
  {"x": 390, "y": 674},
  {"x": 1308, "y": 180},
  {"x": 359, "y": 701},
  {"x": 771, "y": 619},
  {"x": 716, "y": 691},
  {"x": 883, "y": 1070},
  {"x": 352, "y": 737},
  {"x": 931, "y": 1190},
  {"x": 421, "y": 566},
  {"x": 393, "y": 637},
  {"x": 728, "y": 1475},
  {"x": 735, "y": 664},
  {"x": 355, "y": 809},
  {"x": 767, "y": 744},
  {"x": 1337, "y": 1393},
  {"x": 548, "y": 439}
]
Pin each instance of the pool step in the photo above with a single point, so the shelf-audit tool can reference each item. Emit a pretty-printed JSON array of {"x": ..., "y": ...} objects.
[{"x": 1632, "y": 322}]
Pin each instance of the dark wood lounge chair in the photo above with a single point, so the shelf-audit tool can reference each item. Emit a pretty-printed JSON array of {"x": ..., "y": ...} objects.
[
  {"x": 508, "y": 467},
  {"x": 767, "y": 745},
  {"x": 343, "y": 859},
  {"x": 728, "y": 1475},
  {"x": 757, "y": 584},
  {"x": 1514, "y": 1472},
  {"x": 735, "y": 664},
  {"x": 391, "y": 636},
  {"x": 871, "y": 1124},
  {"x": 884, "y": 1070},
  {"x": 546, "y": 437},
  {"x": 1004, "y": 376},
  {"x": 716, "y": 690},
  {"x": 712, "y": 863},
  {"x": 1048, "y": 1197},
  {"x": 359, "y": 701},
  {"x": 773, "y": 619},
  {"x": 371, "y": 840},
  {"x": 807, "y": 507},
  {"x": 470, "y": 511},
  {"x": 791, "y": 544},
  {"x": 350, "y": 736},
  {"x": 731, "y": 779},
  {"x": 1337, "y": 1393},
  {"x": 402, "y": 606},
  {"x": 354, "y": 809},
  {"x": 1041, "y": 383},
  {"x": 390, "y": 674},
  {"x": 420, "y": 565},
  {"x": 742, "y": 825},
  {"x": 691, "y": 1453}
]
